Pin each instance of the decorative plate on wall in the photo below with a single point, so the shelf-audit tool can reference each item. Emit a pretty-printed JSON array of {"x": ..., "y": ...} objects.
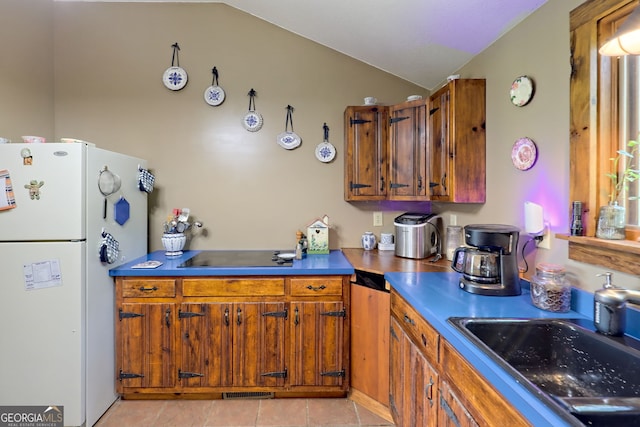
[
  {"x": 524, "y": 154},
  {"x": 175, "y": 77},
  {"x": 214, "y": 94},
  {"x": 521, "y": 91}
]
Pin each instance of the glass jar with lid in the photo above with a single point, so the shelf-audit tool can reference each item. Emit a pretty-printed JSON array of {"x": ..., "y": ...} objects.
[{"x": 549, "y": 288}]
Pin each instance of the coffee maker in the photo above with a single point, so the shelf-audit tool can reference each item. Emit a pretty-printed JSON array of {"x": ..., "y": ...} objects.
[{"x": 489, "y": 266}]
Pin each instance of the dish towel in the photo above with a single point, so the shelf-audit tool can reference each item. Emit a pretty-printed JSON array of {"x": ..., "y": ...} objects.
[{"x": 145, "y": 180}]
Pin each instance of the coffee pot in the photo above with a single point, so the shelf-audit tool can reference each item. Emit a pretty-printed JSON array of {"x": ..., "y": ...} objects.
[{"x": 489, "y": 265}]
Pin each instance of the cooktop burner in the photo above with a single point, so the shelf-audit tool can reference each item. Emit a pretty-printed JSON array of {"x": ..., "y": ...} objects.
[{"x": 258, "y": 258}]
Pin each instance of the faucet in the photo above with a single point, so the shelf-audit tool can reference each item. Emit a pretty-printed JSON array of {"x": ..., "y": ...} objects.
[{"x": 609, "y": 307}]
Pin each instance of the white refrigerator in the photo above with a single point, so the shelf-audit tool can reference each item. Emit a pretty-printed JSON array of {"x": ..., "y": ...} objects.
[{"x": 57, "y": 243}]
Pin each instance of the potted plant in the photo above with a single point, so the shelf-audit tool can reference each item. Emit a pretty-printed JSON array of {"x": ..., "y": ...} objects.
[{"x": 612, "y": 219}]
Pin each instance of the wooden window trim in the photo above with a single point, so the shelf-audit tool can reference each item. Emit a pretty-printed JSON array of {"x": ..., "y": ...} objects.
[{"x": 593, "y": 109}]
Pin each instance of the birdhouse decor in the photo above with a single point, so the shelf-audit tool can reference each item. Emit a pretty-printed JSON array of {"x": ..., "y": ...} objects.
[{"x": 318, "y": 236}]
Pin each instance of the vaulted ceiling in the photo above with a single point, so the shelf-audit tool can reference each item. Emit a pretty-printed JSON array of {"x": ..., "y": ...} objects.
[{"x": 422, "y": 41}]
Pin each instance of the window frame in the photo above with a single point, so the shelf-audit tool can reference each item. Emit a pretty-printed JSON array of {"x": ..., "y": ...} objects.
[{"x": 593, "y": 138}]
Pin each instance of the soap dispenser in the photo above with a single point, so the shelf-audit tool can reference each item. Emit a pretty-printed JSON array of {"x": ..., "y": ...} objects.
[{"x": 609, "y": 307}]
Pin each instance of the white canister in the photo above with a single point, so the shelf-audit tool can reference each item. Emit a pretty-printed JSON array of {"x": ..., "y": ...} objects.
[
  {"x": 368, "y": 241},
  {"x": 386, "y": 238}
]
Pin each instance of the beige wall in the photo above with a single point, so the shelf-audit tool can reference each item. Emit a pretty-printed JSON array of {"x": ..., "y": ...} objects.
[
  {"x": 538, "y": 47},
  {"x": 248, "y": 191},
  {"x": 108, "y": 59},
  {"x": 26, "y": 68}
]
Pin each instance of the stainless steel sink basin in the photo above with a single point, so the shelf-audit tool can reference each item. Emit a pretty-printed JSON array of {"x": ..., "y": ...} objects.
[{"x": 586, "y": 377}]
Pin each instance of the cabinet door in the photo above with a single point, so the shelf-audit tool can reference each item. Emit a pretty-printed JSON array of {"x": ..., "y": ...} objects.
[
  {"x": 457, "y": 142},
  {"x": 317, "y": 344},
  {"x": 238, "y": 344},
  {"x": 452, "y": 413},
  {"x": 424, "y": 389},
  {"x": 146, "y": 345},
  {"x": 439, "y": 144},
  {"x": 413, "y": 381},
  {"x": 408, "y": 151},
  {"x": 397, "y": 344},
  {"x": 205, "y": 340},
  {"x": 258, "y": 344},
  {"x": 366, "y": 153}
]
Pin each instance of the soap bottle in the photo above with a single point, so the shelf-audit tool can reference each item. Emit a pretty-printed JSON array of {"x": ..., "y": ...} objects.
[{"x": 608, "y": 308}]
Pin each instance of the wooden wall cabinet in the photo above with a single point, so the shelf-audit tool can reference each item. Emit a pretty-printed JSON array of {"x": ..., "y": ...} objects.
[
  {"x": 195, "y": 335},
  {"x": 408, "y": 151},
  {"x": 422, "y": 150},
  {"x": 457, "y": 142},
  {"x": 432, "y": 385},
  {"x": 366, "y": 153}
]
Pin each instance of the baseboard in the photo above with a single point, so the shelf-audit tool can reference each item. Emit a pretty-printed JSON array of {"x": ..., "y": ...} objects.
[{"x": 371, "y": 404}]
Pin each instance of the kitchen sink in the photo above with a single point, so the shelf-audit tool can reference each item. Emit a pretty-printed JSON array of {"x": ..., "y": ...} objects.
[{"x": 586, "y": 377}]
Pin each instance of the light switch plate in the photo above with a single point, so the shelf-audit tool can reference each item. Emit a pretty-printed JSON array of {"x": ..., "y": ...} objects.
[{"x": 377, "y": 219}]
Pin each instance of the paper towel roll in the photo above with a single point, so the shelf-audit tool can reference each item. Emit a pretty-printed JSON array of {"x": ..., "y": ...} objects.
[{"x": 533, "y": 218}]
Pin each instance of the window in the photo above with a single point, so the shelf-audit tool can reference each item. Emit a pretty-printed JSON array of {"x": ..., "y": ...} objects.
[{"x": 594, "y": 130}]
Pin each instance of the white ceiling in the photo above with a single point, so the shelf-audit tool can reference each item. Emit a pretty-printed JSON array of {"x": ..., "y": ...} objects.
[{"x": 422, "y": 41}]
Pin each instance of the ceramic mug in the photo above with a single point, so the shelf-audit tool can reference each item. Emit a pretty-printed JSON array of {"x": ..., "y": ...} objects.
[
  {"x": 368, "y": 241},
  {"x": 386, "y": 238},
  {"x": 4, "y": 140}
]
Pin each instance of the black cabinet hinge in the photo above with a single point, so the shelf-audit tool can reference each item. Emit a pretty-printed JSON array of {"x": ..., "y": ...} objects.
[
  {"x": 183, "y": 374},
  {"x": 128, "y": 375},
  {"x": 358, "y": 121},
  {"x": 354, "y": 186},
  {"x": 396, "y": 185},
  {"x": 397, "y": 119},
  {"x": 276, "y": 374},
  {"x": 333, "y": 373},
  {"x": 276, "y": 313},
  {"x": 187, "y": 314},
  {"x": 128, "y": 315},
  {"x": 341, "y": 313}
]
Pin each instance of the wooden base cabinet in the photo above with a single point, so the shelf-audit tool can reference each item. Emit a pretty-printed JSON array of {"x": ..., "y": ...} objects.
[
  {"x": 212, "y": 335},
  {"x": 414, "y": 382},
  {"x": 432, "y": 385}
]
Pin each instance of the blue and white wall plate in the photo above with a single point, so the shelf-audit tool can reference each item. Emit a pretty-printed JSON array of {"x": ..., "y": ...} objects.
[
  {"x": 214, "y": 95},
  {"x": 252, "y": 121},
  {"x": 289, "y": 140},
  {"x": 325, "y": 152},
  {"x": 174, "y": 78}
]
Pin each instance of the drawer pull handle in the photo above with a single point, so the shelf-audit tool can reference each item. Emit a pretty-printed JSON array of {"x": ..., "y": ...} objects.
[
  {"x": 226, "y": 316},
  {"x": 143, "y": 289},
  {"x": 424, "y": 340},
  {"x": 409, "y": 320},
  {"x": 319, "y": 288},
  {"x": 239, "y": 317},
  {"x": 167, "y": 315},
  {"x": 429, "y": 391}
]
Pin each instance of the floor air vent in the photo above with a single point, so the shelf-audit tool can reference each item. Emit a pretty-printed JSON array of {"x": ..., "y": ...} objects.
[{"x": 248, "y": 395}]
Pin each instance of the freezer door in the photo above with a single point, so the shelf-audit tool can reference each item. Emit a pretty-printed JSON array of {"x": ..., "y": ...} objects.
[
  {"x": 48, "y": 183},
  {"x": 42, "y": 357}
]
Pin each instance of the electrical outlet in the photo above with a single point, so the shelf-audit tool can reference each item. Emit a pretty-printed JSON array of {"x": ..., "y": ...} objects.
[
  {"x": 545, "y": 243},
  {"x": 377, "y": 219}
]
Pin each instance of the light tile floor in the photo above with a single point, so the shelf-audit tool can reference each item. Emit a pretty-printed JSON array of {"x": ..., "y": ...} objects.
[{"x": 240, "y": 412}]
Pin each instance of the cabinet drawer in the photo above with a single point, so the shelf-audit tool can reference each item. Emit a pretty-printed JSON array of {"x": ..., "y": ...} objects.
[
  {"x": 149, "y": 288},
  {"x": 421, "y": 332},
  {"x": 241, "y": 286},
  {"x": 312, "y": 286}
]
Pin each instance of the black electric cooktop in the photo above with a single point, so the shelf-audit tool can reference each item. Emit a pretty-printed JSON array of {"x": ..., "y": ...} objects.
[{"x": 257, "y": 258}]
